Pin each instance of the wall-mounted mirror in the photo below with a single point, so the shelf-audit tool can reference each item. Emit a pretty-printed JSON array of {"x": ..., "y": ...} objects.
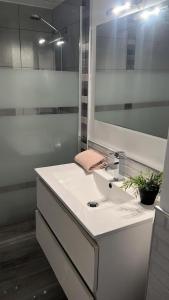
[{"x": 132, "y": 73}]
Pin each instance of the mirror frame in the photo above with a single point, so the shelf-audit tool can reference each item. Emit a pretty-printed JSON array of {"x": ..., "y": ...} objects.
[{"x": 144, "y": 148}]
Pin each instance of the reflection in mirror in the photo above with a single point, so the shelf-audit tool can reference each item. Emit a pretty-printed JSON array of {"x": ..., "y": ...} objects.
[{"x": 132, "y": 72}]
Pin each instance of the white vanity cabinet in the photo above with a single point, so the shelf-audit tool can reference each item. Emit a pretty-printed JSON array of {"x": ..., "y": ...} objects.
[
  {"x": 82, "y": 250},
  {"x": 112, "y": 266}
]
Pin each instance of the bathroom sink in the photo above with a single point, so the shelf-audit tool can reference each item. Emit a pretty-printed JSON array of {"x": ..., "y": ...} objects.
[
  {"x": 93, "y": 190},
  {"x": 113, "y": 208}
]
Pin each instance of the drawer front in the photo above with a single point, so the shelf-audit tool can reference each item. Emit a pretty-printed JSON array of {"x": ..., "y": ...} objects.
[
  {"x": 82, "y": 251},
  {"x": 66, "y": 274}
]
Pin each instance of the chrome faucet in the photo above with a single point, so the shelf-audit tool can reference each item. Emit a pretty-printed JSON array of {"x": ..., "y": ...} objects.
[{"x": 113, "y": 163}]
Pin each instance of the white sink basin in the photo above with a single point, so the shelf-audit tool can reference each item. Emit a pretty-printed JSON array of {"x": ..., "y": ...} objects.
[
  {"x": 92, "y": 187},
  {"x": 75, "y": 188}
]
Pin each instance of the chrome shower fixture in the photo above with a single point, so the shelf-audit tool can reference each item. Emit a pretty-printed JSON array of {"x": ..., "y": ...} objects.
[
  {"x": 39, "y": 18},
  {"x": 59, "y": 40},
  {"x": 35, "y": 17}
]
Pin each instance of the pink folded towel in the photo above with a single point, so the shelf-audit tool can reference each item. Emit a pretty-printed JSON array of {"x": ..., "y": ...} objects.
[{"x": 90, "y": 160}]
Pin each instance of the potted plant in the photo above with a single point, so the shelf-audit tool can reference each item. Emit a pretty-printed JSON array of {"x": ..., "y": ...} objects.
[{"x": 148, "y": 186}]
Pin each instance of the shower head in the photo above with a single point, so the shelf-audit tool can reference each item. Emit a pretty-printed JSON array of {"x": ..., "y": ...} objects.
[
  {"x": 39, "y": 18},
  {"x": 42, "y": 41},
  {"x": 35, "y": 17}
]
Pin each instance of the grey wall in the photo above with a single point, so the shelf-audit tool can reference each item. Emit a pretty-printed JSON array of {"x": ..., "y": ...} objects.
[
  {"x": 38, "y": 109},
  {"x": 19, "y": 38},
  {"x": 66, "y": 17}
]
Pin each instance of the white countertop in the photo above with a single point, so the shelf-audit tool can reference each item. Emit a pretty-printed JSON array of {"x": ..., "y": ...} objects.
[{"x": 97, "y": 221}]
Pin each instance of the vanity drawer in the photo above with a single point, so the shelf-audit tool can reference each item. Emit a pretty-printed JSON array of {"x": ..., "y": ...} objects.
[
  {"x": 66, "y": 274},
  {"x": 81, "y": 249}
]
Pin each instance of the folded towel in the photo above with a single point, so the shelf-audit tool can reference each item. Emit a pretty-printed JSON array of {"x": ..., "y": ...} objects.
[{"x": 90, "y": 160}]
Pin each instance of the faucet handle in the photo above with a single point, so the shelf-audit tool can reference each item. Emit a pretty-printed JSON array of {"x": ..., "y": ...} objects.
[
  {"x": 115, "y": 155},
  {"x": 119, "y": 154}
]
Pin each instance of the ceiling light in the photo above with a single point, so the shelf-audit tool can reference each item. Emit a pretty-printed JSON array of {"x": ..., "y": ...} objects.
[
  {"x": 144, "y": 15},
  {"x": 42, "y": 41},
  {"x": 148, "y": 13},
  {"x": 156, "y": 11},
  {"x": 121, "y": 8},
  {"x": 60, "y": 43}
]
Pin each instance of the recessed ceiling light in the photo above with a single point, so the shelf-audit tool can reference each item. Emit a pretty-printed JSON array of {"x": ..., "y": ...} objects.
[
  {"x": 121, "y": 8},
  {"x": 148, "y": 13},
  {"x": 60, "y": 43},
  {"x": 42, "y": 41}
]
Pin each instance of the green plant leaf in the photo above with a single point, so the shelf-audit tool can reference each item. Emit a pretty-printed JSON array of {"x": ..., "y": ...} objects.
[{"x": 148, "y": 182}]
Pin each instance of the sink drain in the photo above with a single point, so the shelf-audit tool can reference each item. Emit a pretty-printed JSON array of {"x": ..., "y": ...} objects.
[{"x": 93, "y": 204}]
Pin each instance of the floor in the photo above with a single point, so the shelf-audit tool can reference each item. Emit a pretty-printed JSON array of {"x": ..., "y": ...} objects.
[{"x": 24, "y": 271}]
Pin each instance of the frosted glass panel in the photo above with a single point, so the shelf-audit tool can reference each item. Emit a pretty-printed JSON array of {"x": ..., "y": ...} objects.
[
  {"x": 33, "y": 140},
  {"x": 30, "y": 88},
  {"x": 38, "y": 105},
  {"x": 28, "y": 142}
]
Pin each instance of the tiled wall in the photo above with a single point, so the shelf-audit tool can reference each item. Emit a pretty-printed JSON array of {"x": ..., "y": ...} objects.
[
  {"x": 84, "y": 52},
  {"x": 19, "y": 38},
  {"x": 128, "y": 166},
  {"x": 66, "y": 17},
  {"x": 158, "y": 279}
]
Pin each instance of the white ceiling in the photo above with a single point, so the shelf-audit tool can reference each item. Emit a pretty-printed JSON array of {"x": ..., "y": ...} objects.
[{"x": 40, "y": 3}]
